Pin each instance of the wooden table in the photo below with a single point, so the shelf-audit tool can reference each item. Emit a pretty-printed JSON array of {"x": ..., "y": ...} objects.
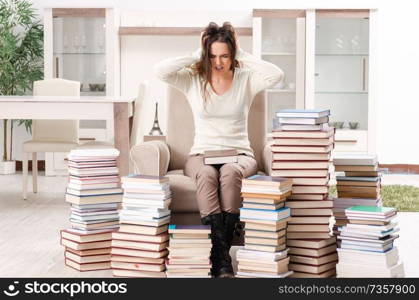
[{"x": 75, "y": 108}]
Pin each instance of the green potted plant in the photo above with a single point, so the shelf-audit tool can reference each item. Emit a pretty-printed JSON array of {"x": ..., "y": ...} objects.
[{"x": 21, "y": 54}]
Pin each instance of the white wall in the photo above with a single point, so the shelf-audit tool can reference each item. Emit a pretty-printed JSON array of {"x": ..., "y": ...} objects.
[{"x": 398, "y": 45}]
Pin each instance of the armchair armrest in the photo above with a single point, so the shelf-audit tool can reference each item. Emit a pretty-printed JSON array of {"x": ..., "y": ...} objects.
[
  {"x": 150, "y": 158},
  {"x": 267, "y": 158}
]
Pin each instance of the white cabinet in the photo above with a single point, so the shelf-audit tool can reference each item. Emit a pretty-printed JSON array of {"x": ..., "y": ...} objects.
[
  {"x": 82, "y": 44},
  {"x": 278, "y": 37},
  {"x": 329, "y": 59}
]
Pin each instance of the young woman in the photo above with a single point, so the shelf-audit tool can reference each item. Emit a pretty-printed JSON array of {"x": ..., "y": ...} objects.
[{"x": 219, "y": 80}]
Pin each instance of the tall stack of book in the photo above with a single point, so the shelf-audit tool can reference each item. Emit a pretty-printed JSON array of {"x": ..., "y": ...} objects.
[
  {"x": 360, "y": 184},
  {"x": 139, "y": 247},
  {"x": 366, "y": 243},
  {"x": 189, "y": 251},
  {"x": 301, "y": 150},
  {"x": 94, "y": 194},
  {"x": 265, "y": 218}
]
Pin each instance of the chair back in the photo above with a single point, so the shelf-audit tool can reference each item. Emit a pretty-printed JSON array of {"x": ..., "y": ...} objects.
[{"x": 56, "y": 130}]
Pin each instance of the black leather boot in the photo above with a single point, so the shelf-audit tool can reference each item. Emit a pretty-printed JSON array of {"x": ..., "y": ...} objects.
[
  {"x": 220, "y": 258},
  {"x": 232, "y": 226}
]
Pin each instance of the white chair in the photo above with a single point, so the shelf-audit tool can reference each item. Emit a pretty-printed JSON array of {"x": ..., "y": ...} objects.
[{"x": 50, "y": 135}]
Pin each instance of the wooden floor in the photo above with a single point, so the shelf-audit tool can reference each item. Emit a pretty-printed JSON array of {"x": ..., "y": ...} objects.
[{"x": 29, "y": 235}]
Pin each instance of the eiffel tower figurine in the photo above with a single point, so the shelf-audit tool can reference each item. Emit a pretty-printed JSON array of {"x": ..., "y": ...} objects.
[{"x": 156, "y": 128}]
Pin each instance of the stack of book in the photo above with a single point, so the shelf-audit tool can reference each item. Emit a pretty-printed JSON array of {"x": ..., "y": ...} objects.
[
  {"x": 360, "y": 184},
  {"x": 301, "y": 150},
  {"x": 265, "y": 218},
  {"x": 139, "y": 247},
  {"x": 189, "y": 251},
  {"x": 366, "y": 243},
  {"x": 94, "y": 194}
]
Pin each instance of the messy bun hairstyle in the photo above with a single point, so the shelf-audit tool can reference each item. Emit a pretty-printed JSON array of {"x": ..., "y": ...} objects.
[{"x": 214, "y": 33}]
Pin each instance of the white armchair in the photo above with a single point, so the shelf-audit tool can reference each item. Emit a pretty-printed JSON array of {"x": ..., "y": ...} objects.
[{"x": 50, "y": 135}]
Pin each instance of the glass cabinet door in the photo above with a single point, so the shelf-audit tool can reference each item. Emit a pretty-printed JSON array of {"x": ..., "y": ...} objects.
[
  {"x": 280, "y": 36},
  {"x": 341, "y": 70},
  {"x": 79, "y": 52}
]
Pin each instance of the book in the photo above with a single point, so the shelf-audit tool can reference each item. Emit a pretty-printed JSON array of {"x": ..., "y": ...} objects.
[
  {"x": 371, "y": 210},
  {"x": 309, "y": 204},
  {"x": 303, "y": 121},
  {"x": 300, "y": 156},
  {"x": 85, "y": 238},
  {"x": 305, "y": 142},
  {"x": 242, "y": 274},
  {"x": 311, "y": 212},
  {"x": 260, "y": 255},
  {"x": 141, "y": 229},
  {"x": 266, "y": 248},
  {"x": 93, "y": 192},
  {"x": 272, "y": 226},
  {"x": 200, "y": 229},
  {"x": 262, "y": 214},
  {"x": 300, "y": 173},
  {"x": 301, "y": 127},
  {"x": 214, "y": 157},
  {"x": 112, "y": 198},
  {"x": 137, "y": 273},
  {"x": 254, "y": 189},
  {"x": 88, "y": 266},
  {"x": 355, "y": 159},
  {"x": 321, "y": 134},
  {"x": 139, "y": 245},
  {"x": 279, "y": 165},
  {"x": 247, "y": 204},
  {"x": 276, "y": 267},
  {"x": 353, "y": 168},
  {"x": 269, "y": 181},
  {"x": 385, "y": 259},
  {"x": 137, "y": 266},
  {"x": 160, "y": 238},
  {"x": 362, "y": 173},
  {"x": 137, "y": 259},
  {"x": 308, "y": 260},
  {"x": 264, "y": 241},
  {"x": 312, "y": 197},
  {"x": 265, "y": 234},
  {"x": 85, "y": 246},
  {"x": 325, "y": 274},
  {"x": 307, "y": 235},
  {"x": 265, "y": 198},
  {"x": 308, "y": 228},
  {"x": 310, "y": 189},
  {"x": 311, "y": 220},
  {"x": 311, "y": 268},
  {"x": 136, "y": 178},
  {"x": 353, "y": 270},
  {"x": 302, "y": 113},
  {"x": 302, "y": 149},
  {"x": 312, "y": 243},
  {"x": 138, "y": 252},
  {"x": 89, "y": 252},
  {"x": 87, "y": 258}
]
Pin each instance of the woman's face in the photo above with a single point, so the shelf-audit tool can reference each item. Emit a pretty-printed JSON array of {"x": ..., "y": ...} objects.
[{"x": 220, "y": 58}]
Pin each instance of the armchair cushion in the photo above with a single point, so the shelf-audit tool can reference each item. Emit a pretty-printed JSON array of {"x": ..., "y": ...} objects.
[
  {"x": 150, "y": 158},
  {"x": 183, "y": 193}
]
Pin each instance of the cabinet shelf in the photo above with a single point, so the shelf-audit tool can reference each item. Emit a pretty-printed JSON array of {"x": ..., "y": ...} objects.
[
  {"x": 341, "y": 92},
  {"x": 341, "y": 54},
  {"x": 278, "y": 53},
  {"x": 79, "y": 53},
  {"x": 280, "y": 91}
]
